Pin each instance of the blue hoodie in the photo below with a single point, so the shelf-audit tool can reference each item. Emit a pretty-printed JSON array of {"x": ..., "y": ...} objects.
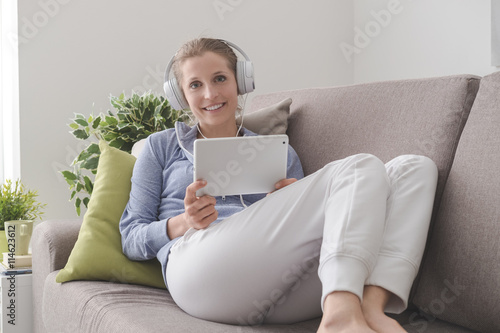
[{"x": 161, "y": 174}]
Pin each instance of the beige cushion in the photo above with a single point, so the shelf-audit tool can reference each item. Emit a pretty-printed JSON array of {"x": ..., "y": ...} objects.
[
  {"x": 272, "y": 119},
  {"x": 461, "y": 279}
]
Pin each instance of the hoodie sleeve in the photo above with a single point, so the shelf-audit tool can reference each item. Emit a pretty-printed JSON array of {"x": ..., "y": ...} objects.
[{"x": 143, "y": 235}]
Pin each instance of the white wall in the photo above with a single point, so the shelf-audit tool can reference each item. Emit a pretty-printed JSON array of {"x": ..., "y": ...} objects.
[
  {"x": 74, "y": 53},
  {"x": 422, "y": 38}
]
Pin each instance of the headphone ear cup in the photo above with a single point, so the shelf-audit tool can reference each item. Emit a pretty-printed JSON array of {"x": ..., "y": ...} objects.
[
  {"x": 244, "y": 77},
  {"x": 174, "y": 95}
]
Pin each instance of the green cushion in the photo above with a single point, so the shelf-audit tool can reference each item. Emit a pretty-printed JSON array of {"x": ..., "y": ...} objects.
[{"x": 97, "y": 254}]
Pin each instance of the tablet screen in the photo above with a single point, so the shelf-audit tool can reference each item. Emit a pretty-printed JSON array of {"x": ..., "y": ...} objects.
[{"x": 240, "y": 165}]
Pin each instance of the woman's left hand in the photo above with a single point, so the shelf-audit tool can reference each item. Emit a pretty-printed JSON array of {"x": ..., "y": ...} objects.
[{"x": 282, "y": 183}]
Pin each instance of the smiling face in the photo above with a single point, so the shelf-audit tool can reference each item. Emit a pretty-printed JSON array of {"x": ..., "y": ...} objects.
[{"x": 211, "y": 91}]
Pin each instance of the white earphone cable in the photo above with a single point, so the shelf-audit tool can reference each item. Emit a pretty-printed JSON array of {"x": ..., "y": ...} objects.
[{"x": 237, "y": 133}]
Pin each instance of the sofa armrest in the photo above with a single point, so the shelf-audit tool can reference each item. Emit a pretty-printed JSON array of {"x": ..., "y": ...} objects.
[{"x": 51, "y": 245}]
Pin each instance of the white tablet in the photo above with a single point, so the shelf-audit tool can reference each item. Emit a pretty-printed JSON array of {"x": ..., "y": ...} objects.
[{"x": 240, "y": 165}]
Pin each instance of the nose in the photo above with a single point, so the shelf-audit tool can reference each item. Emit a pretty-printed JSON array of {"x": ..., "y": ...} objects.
[{"x": 210, "y": 92}]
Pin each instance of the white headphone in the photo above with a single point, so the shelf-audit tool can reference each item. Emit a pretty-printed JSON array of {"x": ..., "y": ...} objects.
[{"x": 244, "y": 79}]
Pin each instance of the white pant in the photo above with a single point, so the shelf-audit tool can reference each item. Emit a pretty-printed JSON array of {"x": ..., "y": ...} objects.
[{"x": 353, "y": 223}]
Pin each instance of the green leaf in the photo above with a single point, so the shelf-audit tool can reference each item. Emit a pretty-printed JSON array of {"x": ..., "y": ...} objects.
[
  {"x": 110, "y": 136},
  {"x": 111, "y": 121},
  {"x": 91, "y": 163},
  {"x": 88, "y": 185},
  {"x": 158, "y": 110},
  {"x": 86, "y": 202},
  {"x": 123, "y": 127},
  {"x": 116, "y": 143},
  {"x": 74, "y": 126},
  {"x": 94, "y": 148},
  {"x": 68, "y": 175},
  {"x": 78, "y": 201},
  {"x": 84, "y": 155},
  {"x": 79, "y": 116},
  {"x": 135, "y": 100},
  {"x": 80, "y": 134},
  {"x": 96, "y": 122},
  {"x": 81, "y": 122}
]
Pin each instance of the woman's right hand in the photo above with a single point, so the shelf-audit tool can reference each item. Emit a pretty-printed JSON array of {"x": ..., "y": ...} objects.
[{"x": 199, "y": 212}]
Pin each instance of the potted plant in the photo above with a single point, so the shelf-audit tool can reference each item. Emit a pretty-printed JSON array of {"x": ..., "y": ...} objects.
[
  {"x": 134, "y": 119},
  {"x": 17, "y": 203}
]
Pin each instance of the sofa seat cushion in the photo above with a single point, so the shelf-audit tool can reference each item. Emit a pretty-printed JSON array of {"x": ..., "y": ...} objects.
[
  {"x": 107, "y": 307},
  {"x": 461, "y": 279}
]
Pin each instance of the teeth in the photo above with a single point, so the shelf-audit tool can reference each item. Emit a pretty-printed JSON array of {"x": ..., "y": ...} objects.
[{"x": 215, "y": 107}]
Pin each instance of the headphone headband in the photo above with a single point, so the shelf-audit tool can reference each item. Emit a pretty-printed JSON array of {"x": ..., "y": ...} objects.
[
  {"x": 244, "y": 79},
  {"x": 236, "y": 47}
]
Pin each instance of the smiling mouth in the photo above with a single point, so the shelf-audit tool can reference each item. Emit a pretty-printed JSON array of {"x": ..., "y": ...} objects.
[{"x": 214, "y": 107}]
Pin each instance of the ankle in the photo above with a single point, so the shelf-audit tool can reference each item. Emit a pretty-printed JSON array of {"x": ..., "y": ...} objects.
[
  {"x": 342, "y": 307},
  {"x": 374, "y": 302},
  {"x": 375, "y": 299}
]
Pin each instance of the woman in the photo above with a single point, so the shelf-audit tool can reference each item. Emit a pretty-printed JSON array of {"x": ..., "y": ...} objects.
[{"x": 345, "y": 242}]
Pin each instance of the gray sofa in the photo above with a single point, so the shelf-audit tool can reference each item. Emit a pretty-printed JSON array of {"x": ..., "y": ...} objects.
[{"x": 453, "y": 120}]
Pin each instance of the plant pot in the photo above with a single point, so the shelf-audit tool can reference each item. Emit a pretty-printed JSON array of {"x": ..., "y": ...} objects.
[
  {"x": 18, "y": 236},
  {"x": 3, "y": 242}
]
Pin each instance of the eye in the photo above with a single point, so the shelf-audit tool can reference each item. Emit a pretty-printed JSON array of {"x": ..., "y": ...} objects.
[
  {"x": 194, "y": 85},
  {"x": 220, "y": 78}
]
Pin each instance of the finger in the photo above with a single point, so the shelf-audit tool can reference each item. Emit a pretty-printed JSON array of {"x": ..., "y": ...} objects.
[
  {"x": 206, "y": 213},
  {"x": 193, "y": 208},
  {"x": 202, "y": 202},
  {"x": 196, "y": 216},
  {"x": 192, "y": 188},
  {"x": 284, "y": 182},
  {"x": 205, "y": 217}
]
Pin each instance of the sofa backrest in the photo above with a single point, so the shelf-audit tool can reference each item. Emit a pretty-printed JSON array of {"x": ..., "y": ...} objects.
[
  {"x": 387, "y": 119},
  {"x": 460, "y": 280}
]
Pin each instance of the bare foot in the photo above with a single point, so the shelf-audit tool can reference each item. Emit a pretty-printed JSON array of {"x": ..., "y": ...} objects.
[
  {"x": 374, "y": 300},
  {"x": 383, "y": 323},
  {"x": 342, "y": 313}
]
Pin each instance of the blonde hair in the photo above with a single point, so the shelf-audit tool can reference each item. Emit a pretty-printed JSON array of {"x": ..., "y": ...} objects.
[{"x": 198, "y": 47}]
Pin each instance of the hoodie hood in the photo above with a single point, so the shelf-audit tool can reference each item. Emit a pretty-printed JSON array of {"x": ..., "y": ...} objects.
[{"x": 186, "y": 136}]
